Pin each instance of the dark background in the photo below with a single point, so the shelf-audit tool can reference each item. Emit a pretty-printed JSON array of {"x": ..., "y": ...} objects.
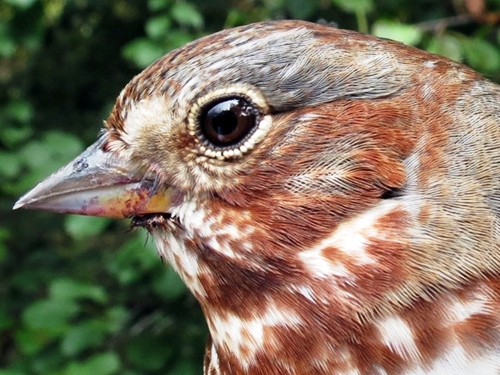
[{"x": 82, "y": 295}]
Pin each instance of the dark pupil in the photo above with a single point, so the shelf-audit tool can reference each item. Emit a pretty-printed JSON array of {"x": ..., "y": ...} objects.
[{"x": 229, "y": 121}]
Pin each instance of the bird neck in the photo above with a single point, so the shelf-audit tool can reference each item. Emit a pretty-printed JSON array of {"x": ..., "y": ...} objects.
[{"x": 353, "y": 300}]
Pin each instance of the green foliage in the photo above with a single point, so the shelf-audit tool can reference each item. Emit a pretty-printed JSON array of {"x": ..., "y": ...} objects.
[
  {"x": 84, "y": 295},
  {"x": 407, "y": 34},
  {"x": 171, "y": 25}
]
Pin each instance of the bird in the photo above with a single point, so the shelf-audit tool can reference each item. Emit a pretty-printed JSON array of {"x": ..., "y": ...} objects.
[{"x": 331, "y": 199}]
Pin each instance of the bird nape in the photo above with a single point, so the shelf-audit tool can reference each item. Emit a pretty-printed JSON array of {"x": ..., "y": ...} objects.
[{"x": 264, "y": 160}]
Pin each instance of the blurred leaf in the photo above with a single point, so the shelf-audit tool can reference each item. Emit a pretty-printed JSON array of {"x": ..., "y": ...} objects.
[
  {"x": 142, "y": 52},
  {"x": 10, "y": 165},
  {"x": 5, "y": 321},
  {"x": 69, "y": 289},
  {"x": 11, "y": 372},
  {"x": 15, "y": 118},
  {"x": 481, "y": 54},
  {"x": 407, "y": 34},
  {"x": 49, "y": 154},
  {"x": 148, "y": 352},
  {"x": 134, "y": 257},
  {"x": 13, "y": 135},
  {"x": 156, "y": 5},
  {"x": 7, "y": 46},
  {"x": 29, "y": 341},
  {"x": 446, "y": 45},
  {"x": 354, "y": 6},
  {"x": 63, "y": 145},
  {"x": 49, "y": 361},
  {"x": 85, "y": 335},
  {"x": 5, "y": 234},
  {"x": 115, "y": 318},
  {"x": 18, "y": 110},
  {"x": 51, "y": 316},
  {"x": 23, "y": 4},
  {"x": 99, "y": 364},
  {"x": 158, "y": 27},
  {"x": 177, "y": 39},
  {"x": 81, "y": 227},
  {"x": 301, "y": 9},
  {"x": 186, "y": 14},
  {"x": 169, "y": 284},
  {"x": 183, "y": 368}
]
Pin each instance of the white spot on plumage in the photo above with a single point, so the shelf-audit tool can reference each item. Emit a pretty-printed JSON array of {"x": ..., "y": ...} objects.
[
  {"x": 430, "y": 64},
  {"x": 319, "y": 266},
  {"x": 223, "y": 248},
  {"x": 192, "y": 215},
  {"x": 397, "y": 335},
  {"x": 457, "y": 361},
  {"x": 350, "y": 238},
  {"x": 244, "y": 337},
  {"x": 307, "y": 292},
  {"x": 184, "y": 261},
  {"x": 214, "y": 360},
  {"x": 462, "y": 310}
]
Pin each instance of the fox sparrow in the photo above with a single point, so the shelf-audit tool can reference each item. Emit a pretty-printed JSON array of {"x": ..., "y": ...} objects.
[{"x": 330, "y": 198}]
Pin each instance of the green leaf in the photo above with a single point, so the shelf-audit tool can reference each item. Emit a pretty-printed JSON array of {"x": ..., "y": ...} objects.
[
  {"x": 15, "y": 118},
  {"x": 149, "y": 351},
  {"x": 5, "y": 321},
  {"x": 10, "y": 165},
  {"x": 13, "y": 135},
  {"x": 85, "y": 335},
  {"x": 407, "y": 34},
  {"x": 82, "y": 227},
  {"x": 156, "y": 5},
  {"x": 446, "y": 45},
  {"x": 51, "y": 316},
  {"x": 64, "y": 145},
  {"x": 177, "y": 38},
  {"x": 481, "y": 54},
  {"x": 142, "y": 52},
  {"x": 158, "y": 27},
  {"x": 115, "y": 318},
  {"x": 134, "y": 258},
  {"x": 19, "y": 110},
  {"x": 99, "y": 364},
  {"x": 68, "y": 290},
  {"x": 183, "y": 368},
  {"x": 48, "y": 361},
  {"x": 355, "y": 6},
  {"x": 4, "y": 235},
  {"x": 50, "y": 153},
  {"x": 301, "y": 9},
  {"x": 169, "y": 284},
  {"x": 186, "y": 14},
  {"x": 12, "y": 372},
  {"x": 22, "y": 4},
  {"x": 7, "y": 42},
  {"x": 30, "y": 342}
]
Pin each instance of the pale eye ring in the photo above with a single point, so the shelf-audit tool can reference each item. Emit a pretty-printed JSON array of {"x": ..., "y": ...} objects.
[{"x": 228, "y": 121}]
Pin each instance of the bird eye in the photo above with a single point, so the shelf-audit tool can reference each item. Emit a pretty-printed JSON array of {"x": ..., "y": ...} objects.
[{"x": 228, "y": 121}]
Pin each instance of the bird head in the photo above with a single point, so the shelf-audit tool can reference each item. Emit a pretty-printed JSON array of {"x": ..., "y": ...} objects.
[{"x": 299, "y": 179}]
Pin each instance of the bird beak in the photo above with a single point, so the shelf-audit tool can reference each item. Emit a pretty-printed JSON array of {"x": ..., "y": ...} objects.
[{"x": 98, "y": 183}]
